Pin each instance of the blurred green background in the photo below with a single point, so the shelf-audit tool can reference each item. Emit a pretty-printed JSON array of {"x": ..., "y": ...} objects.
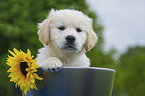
[{"x": 18, "y": 29}]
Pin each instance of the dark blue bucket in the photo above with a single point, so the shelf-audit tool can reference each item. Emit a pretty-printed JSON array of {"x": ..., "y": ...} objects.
[{"x": 75, "y": 81}]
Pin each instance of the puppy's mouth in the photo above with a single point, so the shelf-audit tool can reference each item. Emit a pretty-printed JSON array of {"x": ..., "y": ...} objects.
[{"x": 69, "y": 47}]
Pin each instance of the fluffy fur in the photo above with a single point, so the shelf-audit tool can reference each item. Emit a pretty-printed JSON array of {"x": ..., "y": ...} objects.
[{"x": 59, "y": 51}]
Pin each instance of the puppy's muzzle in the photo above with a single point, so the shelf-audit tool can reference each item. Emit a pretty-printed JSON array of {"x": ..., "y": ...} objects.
[{"x": 70, "y": 43}]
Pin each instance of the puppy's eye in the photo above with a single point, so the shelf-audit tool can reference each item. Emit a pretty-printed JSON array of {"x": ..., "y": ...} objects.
[
  {"x": 79, "y": 30},
  {"x": 61, "y": 28}
]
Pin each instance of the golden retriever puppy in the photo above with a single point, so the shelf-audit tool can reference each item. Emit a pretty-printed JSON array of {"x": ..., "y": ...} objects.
[{"x": 66, "y": 35}]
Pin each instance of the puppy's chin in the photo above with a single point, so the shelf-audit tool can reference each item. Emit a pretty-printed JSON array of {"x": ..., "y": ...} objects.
[{"x": 69, "y": 48}]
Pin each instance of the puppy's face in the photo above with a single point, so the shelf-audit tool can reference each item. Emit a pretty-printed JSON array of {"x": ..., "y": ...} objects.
[{"x": 67, "y": 30}]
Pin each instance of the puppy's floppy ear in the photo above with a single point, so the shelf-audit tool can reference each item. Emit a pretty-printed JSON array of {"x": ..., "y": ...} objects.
[
  {"x": 91, "y": 38},
  {"x": 43, "y": 31}
]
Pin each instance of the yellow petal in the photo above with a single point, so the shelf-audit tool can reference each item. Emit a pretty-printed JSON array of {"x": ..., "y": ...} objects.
[
  {"x": 12, "y": 79},
  {"x": 11, "y": 70},
  {"x": 16, "y": 51},
  {"x": 28, "y": 69},
  {"x": 22, "y": 53},
  {"x": 26, "y": 89},
  {"x": 16, "y": 85},
  {"x": 9, "y": 57},
  {"x": 8, "y": 64},
  {"x": 11, "y": 74},
  {"x": 31, "y": 85},
  {"x": 32, "y": 78},
  {"x": 20, "y": 81},
  {"x": 29, "y": 64},
  {"x": 29, "y": 54},
  {"x": 28, "y": 75},
  {"x": 34, "y": 86},
  {"x": 37, "y": 77},
  {"x": 11, "y": 53},
  {"x": 34, "y": 70},
  {"x": 34, "y": 66},
  {"x": 34, "y": 61}
]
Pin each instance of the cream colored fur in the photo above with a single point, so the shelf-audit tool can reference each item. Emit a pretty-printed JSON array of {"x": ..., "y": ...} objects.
[{"x": 53, "y": 55}]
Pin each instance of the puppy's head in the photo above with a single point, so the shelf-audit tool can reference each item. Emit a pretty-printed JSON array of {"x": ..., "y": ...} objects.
[{"x": 67, "y": 30}]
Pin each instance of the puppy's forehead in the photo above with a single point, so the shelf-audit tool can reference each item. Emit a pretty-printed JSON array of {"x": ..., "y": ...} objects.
[{"x": 71, "y": 17}]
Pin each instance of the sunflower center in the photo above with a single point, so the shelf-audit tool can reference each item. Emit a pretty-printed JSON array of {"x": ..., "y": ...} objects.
[{"x": 23, "y": 66}]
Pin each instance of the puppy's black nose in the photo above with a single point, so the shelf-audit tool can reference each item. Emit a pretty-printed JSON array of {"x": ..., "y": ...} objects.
[{"x": 70, "y": 39}]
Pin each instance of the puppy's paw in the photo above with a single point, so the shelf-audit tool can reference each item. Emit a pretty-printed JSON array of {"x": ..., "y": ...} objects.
[{"x": 51, "y": 64}]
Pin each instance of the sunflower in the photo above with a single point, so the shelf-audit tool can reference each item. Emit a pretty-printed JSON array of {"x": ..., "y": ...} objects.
[{"x": 22, "y": 70}]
